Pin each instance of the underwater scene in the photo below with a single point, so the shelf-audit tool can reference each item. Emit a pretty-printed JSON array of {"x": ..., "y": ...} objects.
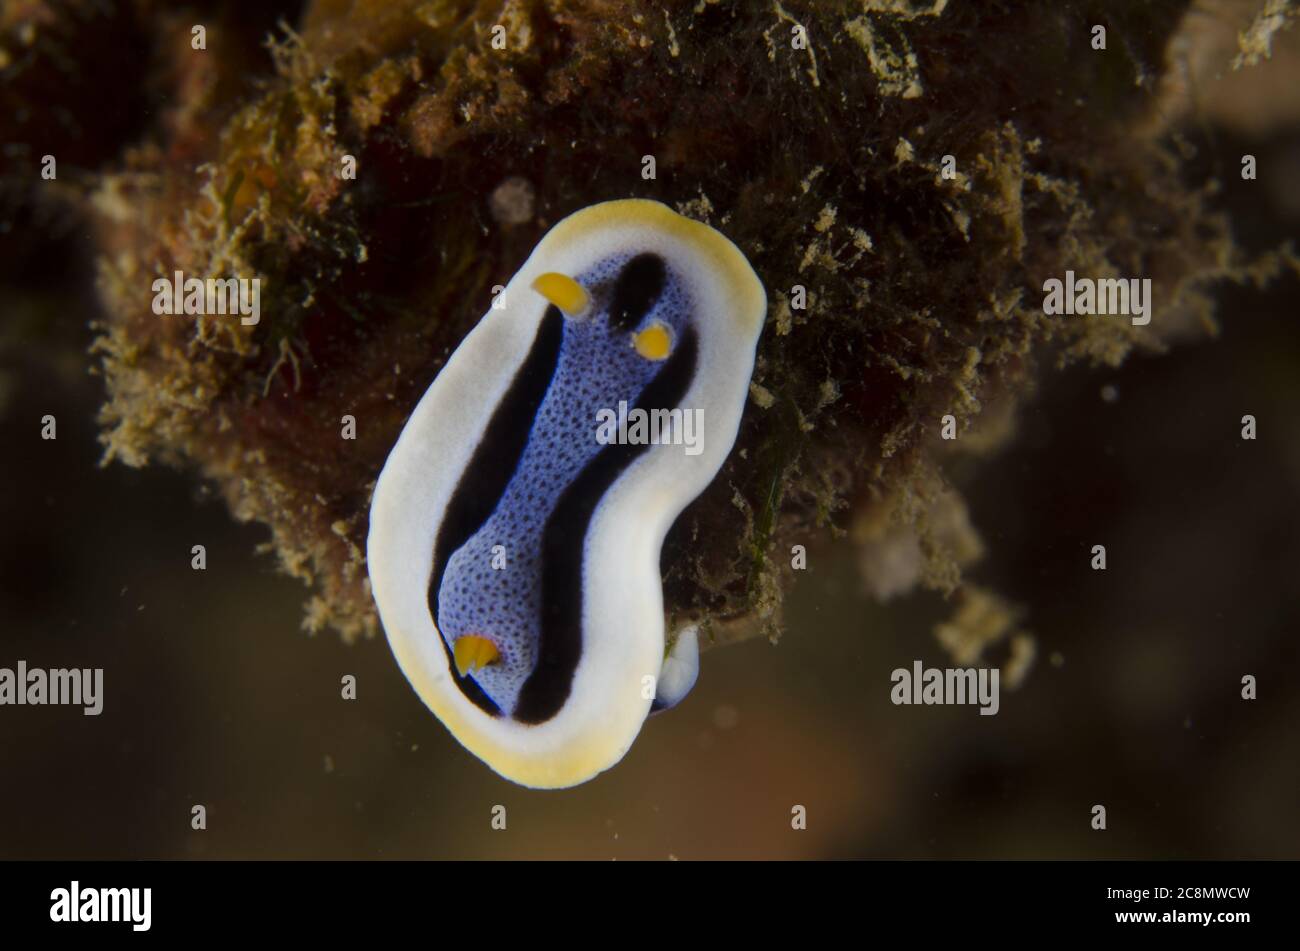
[{"x": 601, "y": 429}]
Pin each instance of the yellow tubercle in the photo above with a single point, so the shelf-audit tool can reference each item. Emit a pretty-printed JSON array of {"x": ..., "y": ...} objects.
[{"x": 564, "y": 292}]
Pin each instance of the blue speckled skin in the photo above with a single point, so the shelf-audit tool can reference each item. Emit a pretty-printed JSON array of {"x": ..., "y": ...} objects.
[{"x": 596, "y": 369}]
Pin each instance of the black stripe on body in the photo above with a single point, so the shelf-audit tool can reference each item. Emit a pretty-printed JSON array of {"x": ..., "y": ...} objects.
[
  {"x": 638, "y": 286},
  {"x": 547, "y": 688},
  {"x": 490, "y": 470}
]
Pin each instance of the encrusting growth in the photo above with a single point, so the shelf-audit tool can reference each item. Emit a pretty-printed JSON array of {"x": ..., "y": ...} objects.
[{"x": 902, "y": 184}]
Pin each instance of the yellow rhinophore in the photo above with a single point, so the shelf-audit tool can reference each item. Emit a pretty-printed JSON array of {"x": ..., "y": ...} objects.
[
  {"x": 474, "y": 652},
  {"x": 564, "y": 292}
]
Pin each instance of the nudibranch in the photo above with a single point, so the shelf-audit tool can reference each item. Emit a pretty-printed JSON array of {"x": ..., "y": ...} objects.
[{"x": 515, "y": 530}]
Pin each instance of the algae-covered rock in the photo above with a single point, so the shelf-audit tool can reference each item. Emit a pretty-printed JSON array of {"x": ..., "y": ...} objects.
[{"x": 902, "y": 175}]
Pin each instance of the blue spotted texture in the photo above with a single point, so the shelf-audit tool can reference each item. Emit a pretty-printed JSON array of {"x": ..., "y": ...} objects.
[{"x": 596, "y": 368}]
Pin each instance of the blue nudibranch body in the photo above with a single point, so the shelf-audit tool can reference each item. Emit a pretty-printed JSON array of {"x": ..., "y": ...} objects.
[{"x": 516, "y": 529}]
